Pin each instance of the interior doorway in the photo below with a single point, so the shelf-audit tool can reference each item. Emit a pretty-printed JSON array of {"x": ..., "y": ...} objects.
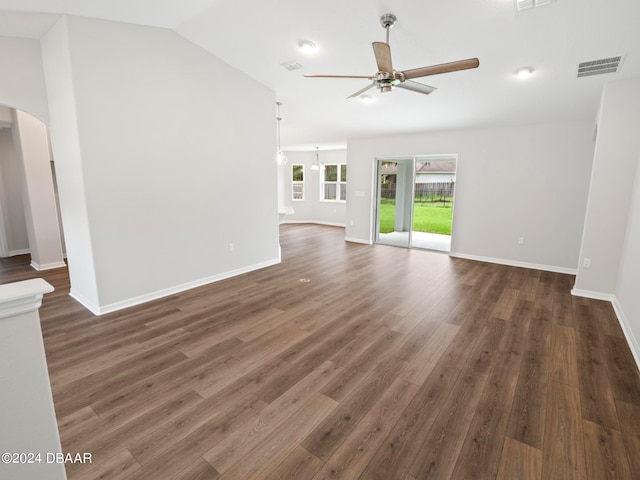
[
  {"x": 414, "y": 201},
  {"x": 30, "y": 220}
]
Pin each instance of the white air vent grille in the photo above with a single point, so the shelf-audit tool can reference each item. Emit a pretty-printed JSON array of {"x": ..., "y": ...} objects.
[
  {"x": 600, "y": 67},
  {"x": 526, "y": 4},
  {"x": 291, "y": 65}
]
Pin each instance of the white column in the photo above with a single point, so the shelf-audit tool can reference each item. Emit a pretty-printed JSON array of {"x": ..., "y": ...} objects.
[
  {"x": 38, "y": 195},
  {"x": 27, "y": 415}
]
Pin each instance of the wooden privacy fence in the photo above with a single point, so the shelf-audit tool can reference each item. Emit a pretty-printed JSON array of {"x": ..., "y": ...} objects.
[{"x": 424, "y": 192}]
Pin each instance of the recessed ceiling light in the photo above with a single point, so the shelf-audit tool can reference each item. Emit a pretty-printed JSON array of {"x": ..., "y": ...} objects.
[
  {"x": 366, "y": 98},
  {"x": 307, "y": 46},
  {"x": 524, "y": 72}
]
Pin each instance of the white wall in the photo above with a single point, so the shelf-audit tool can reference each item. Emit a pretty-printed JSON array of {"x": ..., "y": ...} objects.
[
  {"x": 512, "y": 182},
  {"x": 30, "y": 138},
  {"x": 615, "y": 158},
  {"x": 164, "y": 156},
  {"x": 22, "y": 81},
  {"x": 21, "y": 86},
  {"x": 12, "y": 213},
  {"x": 612, "y": 224},
  {"x": 312, "y": 209},
  {"x": 627, "y": 301}
]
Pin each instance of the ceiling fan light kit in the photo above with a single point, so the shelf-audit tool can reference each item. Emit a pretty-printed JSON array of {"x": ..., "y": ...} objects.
[{"x": 386, "y": 78}]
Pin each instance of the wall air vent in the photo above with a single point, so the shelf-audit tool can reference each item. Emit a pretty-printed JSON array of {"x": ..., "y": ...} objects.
[
  {"x": 526, "y": 4},
  {"x": 600, "y": 67},
  {"x": 291, "y": 66}
]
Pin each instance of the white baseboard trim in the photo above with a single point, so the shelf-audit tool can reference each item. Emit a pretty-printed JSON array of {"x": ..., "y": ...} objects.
[
  {"x": 47, "y": 266},
  {"x": 112, "y": 307},
  {"x": 24, "y": 251},
  {"x": 329, "y": 224},
  {"x": 632, "y": 341},
  {"x": 577, "y": 292},
  {"x": 84, "y": 301},
  {"x": 514, "y": 263},
  {"x": 358, "y": 240}
]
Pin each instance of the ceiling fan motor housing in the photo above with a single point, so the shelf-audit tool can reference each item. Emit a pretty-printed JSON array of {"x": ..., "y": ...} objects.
[{"x": 388, "y": 20}]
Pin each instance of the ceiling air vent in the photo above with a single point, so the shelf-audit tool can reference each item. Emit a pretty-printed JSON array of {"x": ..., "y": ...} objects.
[
  {"x": 291, "y": 66},
  {"x": 600, "y": 67},
  {"x": 526, "y": 4}
]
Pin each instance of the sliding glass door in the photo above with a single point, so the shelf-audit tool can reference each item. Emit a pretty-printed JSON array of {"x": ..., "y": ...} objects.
[
  {"x": 414, "y": 201},
  {"x": 395, "y": 180}
]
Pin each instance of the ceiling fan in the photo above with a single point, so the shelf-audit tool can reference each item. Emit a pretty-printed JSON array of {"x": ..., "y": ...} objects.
[{"x": 387, "y": 77}]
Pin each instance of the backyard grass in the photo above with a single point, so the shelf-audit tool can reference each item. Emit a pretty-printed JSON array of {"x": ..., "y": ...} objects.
[{"x": 427, "y": 217}]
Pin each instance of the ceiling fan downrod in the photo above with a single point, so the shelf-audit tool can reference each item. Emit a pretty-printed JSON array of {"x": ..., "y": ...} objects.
[{"x": 387, "y": 21}]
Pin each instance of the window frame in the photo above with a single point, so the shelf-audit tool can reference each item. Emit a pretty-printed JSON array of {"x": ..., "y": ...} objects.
[
  {"x": 338, "y": 183},
  {"x": 295, "y": 183}
]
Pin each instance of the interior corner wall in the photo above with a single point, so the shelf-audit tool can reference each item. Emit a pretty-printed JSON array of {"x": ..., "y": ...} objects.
[
  {"x": 627, "y": 300},
  {"x": 11, "y": 197},
  {"x": 614, "y": 164},
  {"x": 526, "y": 181},
  {"x": 65, "y": 141},
  {"x": 312, "y": 209},
  {"x": 168, "y": 150}
]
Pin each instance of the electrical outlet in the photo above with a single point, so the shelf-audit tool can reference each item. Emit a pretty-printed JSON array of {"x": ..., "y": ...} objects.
[
  {"x": 232, "y": 247},
  {"x": 520, "y": 240},
  {"x": 351, "y": 222},
  {"x": 586, "y": 262}
]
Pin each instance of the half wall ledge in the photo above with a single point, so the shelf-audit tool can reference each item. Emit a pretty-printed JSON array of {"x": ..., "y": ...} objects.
[{"x": 29, "y": 434}]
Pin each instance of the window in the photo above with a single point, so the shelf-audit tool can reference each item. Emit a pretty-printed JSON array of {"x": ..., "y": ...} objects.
[
  {"x": 297, "y": 182},
  {"x": 333, "y": 183}
]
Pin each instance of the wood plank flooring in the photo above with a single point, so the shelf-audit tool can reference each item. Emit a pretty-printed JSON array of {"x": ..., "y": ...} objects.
[{"x": 346, "y": 361}]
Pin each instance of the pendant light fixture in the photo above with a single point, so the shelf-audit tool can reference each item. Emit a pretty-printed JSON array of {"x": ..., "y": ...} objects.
[
  {"x": 316, "y": 164},
  {"x": 280, "y": 157}
]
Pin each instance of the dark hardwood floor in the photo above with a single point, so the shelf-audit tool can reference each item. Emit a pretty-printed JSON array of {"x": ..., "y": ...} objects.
[{"x": 346, "y": 361}]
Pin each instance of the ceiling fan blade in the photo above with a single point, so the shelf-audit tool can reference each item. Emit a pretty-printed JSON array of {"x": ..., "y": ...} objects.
[
  {"x": 340, "y": 76},
  {"x": 382, "y": 52},
  {"x": 416, "y": 87},
  {"x": 361, "y": 91},
  {"x": 442, "y": 68}
]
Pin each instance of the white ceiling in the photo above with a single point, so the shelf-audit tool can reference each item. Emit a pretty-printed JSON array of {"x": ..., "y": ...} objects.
[{"x": 256, "y": 36}]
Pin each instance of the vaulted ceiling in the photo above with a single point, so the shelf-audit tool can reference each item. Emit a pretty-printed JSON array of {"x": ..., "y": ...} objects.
[{"x": 257, "y": 36}]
